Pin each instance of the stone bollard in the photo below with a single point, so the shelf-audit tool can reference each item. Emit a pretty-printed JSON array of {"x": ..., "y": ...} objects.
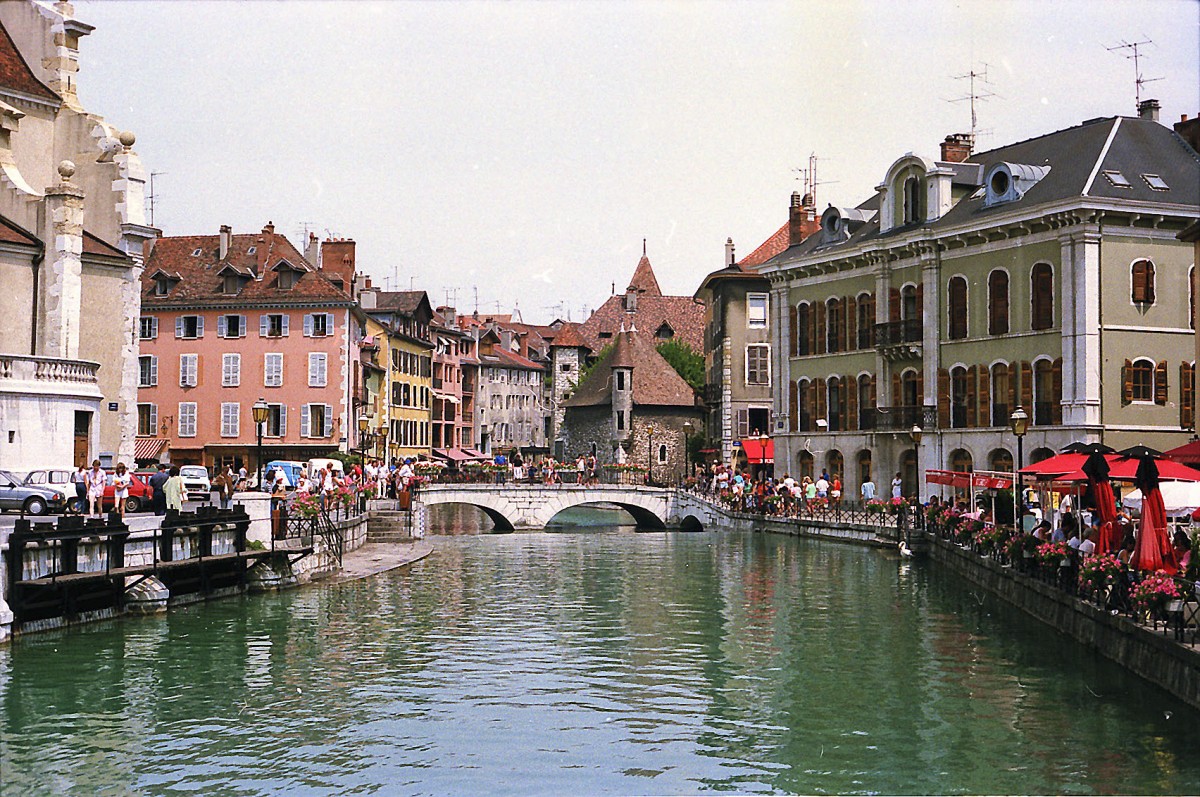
[{"x": 258, "y": 507}]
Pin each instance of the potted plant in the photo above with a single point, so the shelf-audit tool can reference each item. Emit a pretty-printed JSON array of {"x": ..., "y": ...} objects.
[
  {"x": 1054, "y": 554},
  {"x": 1154, "y": 594},
  {"x": 1098, "y": 573}
]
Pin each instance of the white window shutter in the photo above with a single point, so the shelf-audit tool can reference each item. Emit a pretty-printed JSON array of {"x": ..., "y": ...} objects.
[
  {"x": 179, "y": 326},
  {"x": 222, "y": 326},
  {"x": 154, "y": 326},
  {"x": 304, "y": 420},
  {"x": 285, "y": 324},
  {"x": 263, "y": 322},
  {"x": 308, "y": 325},
  {"x": 153, "y": 371},
  {"x": 328, "y": 430},
  {"x": 199, "y": 326},
  {"x": 237, "y": 369},
  {"x": 242, "y": 327},
  {"x": 153, "y": 419},
  {"x": 283, "y": 420},
  {"x": 329, "y": 323},
  {"x": 322, "y": 372}
]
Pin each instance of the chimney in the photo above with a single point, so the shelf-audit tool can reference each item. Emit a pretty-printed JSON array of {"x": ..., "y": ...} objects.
[
  {"x": 802, "y": 220},
  {"x": 523, "y": 345},
  {"x": 957, "y": 147},
  {"x": 506, "y": 339},
  {"x": 450, "y": 315},
  {"x": 1148, "y": 109},
  {"x": 368, "y": 298},
  {"x": 312, "y": 251},
  {"x": 1189, "y": 130},
  {"x": 337, "y": 259},
  {"x": 265, "y": 243},
  {"x": 729, "y": 258},
  {"x": 226, "y": 240}
]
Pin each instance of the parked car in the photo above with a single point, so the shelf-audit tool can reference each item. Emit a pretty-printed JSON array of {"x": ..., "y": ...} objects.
[
  {"x": 55, "y": 479},
  {"x": 195, "y": 482},
  {"x": 31, "y": 499},
  {"x": 140, "y": 494}
]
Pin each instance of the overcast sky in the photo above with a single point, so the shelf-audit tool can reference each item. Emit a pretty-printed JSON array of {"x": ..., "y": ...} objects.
[{"x": 526, "y": 148}]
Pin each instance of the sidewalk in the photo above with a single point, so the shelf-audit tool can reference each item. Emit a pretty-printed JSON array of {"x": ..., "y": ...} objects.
[{"x": 379, "y": 557}]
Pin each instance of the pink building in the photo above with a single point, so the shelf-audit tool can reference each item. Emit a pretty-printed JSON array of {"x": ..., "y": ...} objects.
[
  {"x": 455, "y": 374},
  {"x": 229, "y": 319}
]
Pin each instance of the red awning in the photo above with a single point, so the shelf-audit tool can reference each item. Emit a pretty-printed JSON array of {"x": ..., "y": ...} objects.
[
  {"x": 452, "y": 454},
  {"x": 962, "y": 479},
  {"x": 148, "y": 447},
  {"x": 759, "y": 451}
]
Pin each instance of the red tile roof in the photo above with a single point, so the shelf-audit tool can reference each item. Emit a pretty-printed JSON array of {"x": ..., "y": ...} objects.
[
  {"x": 644, "y": 280},
  {"x": 16, "y": 75},
  {"x": 568, "y": 337},
  {"x": 95, "y": 245},
  {"x": 769, "y": 248},
  {"x": 13, "y": 233},
  {"x": 681, "y": 313},
  {"x": 200, "y": 283},
  {"x": 655, "y": 382},
  {"x": 509, "y": 359}
]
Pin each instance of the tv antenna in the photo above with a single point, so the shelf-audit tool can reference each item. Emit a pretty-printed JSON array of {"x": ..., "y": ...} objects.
[
  {"x": 153, "y": 195},
  {"x": 809, "y": 177},
  {"x": 976, "y": 94},
  {"x": 1135, "y": 55}
]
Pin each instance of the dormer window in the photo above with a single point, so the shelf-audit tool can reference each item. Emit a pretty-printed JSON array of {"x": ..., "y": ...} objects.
[
  {"x": 664, "y": 332},
  {"x": 286, "y": 279},
  {"x": 1009, "y": 182},
  {"x": 162, "y": 286},
  {"x": 233, "y": 284},
  {"x": 912, "y": 201}
]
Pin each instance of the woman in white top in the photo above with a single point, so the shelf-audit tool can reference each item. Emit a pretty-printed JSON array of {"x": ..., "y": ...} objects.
[
  {"x": 95, "y": 488},
  {"x": 121, "y": 481}
]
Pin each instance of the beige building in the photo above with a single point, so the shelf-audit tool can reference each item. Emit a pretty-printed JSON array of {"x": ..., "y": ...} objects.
[
  {"x": 1044, "y": 275},
  {"x": 72, "y": 227}
]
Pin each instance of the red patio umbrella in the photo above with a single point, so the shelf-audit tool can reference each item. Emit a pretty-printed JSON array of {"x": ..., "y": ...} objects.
[
  {"x": 1153, "y": 550},
  {"x": 1097, "y": 470},
  {"x": 1188, "y": 454},
  {"x": 1056, "y": 465}
]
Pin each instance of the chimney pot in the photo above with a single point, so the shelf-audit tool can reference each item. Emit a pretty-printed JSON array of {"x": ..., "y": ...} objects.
[
  {"x": 1148, "y": 109},
  {"x": 226, "y": 239},
  {"x": 957, "y": 147}
]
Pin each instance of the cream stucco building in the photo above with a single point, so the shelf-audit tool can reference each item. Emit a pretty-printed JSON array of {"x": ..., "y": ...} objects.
[{"x": 72, "y": 227}]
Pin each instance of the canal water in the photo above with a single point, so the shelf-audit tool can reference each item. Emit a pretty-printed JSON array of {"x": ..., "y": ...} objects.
[{"x": 591, "y": 661}]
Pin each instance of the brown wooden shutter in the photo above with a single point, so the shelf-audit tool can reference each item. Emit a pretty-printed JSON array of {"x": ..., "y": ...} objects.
[
  {"x": 972, "y": 397},
  {"x": 1127, "y": 382},
  {"x": 844, "y": 403},
  {"x": 1056, "y": 409},
  {"x": 920, "y": 387},
  {"x": 921, "y": 302},
  {"x": 943, "y": 398},
  {"x": 1187, "y": 395},
  {"x": 812, "y": 329},
  {"x": 871, "y": 320},
  {"x": 812, "y": 406},
  {"x": 793, "y": 405},
  {"x": 820, "y": 320},
  {"x": 985, "y": 396},
  {"x": 822, "y": 399},
  {"x": 851, "y": 305},
  {"x": 852, "y": 405},
  {"x": 897, "y": 391},
  {"x": 1027, "y": 388},
  {"x": 794, "y": 333},
  {"x": 894, "y": 304},
  {"x": 743, "y": 424},
  {"x": 874, "y": 397},
  {"x": 1160, "y": 383},
  {"x": 1013, "y": 376}
]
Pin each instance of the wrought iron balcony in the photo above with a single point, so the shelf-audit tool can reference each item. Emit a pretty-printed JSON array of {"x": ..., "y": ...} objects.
[
  {"x": 902, "y": 419},
  {"x": 897, "y": 333}
]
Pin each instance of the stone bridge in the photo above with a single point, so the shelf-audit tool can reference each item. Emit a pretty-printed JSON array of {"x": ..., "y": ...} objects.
[{"x": 532, "y": 506}]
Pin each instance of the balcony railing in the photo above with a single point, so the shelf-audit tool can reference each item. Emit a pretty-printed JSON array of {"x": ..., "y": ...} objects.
[
  {"x": 49, "y": 375},
  {"x": 894, "y": 333},
  {"x": 902, "y": 419}
]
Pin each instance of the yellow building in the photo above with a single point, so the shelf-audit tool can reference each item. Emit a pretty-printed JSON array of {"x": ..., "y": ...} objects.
[{"x": 398, "y": 380}]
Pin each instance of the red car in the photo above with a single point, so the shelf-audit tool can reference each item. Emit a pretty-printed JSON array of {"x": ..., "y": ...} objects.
[{"x": 140, "y": 494}]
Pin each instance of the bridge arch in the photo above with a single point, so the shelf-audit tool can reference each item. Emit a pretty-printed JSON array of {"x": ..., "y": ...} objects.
[
  {"x": 534, "y": 506},
  {"x": 643, "y": 517}
]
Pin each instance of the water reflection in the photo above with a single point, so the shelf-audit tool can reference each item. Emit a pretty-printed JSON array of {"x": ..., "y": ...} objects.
[{"x": 600, "y": 662}]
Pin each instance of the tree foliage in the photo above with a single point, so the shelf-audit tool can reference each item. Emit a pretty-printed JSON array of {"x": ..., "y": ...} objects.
[{"x": 686, "y": 362}]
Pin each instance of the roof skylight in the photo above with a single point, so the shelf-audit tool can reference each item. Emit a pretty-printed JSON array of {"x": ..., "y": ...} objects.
[
  {"x": 197, "y": 252},
  {"x": 1117, "y": 179},
  {"x": 1156, "y": 182}
]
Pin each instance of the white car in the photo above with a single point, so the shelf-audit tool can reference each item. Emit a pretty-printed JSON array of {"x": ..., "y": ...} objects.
[
  {"x": 195, "y": 482},
  {"x": 55, "y": 479}
]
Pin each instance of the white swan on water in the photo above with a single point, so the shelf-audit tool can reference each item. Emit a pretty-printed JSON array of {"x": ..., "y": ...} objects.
[{"x": 904, "y": 549}]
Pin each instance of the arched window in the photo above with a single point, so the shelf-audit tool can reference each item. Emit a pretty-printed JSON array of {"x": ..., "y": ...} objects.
[
  {"x": 1141, "y": 380},
  {"x": 960, "y": 460},
  {"x": 1001, "y": 460},
  {"x": 1142, "y": 277},
  {"x": 804, "y": 462},
  {"x": 866, "y": 402},
  {"x": 864, "y": 466},
  {"x": 1000, "y": 388},
  {"x": 958, "y": 397},
  {"x": 1041, "y": 288},
  {"x": 998, "y": 302},
  {"x": 912, "y": 201},
  {"x": 836, "y": 466},
  {"x": 1040, "y": 455},
  {"x": 833, "y": 326},
  {"x": 957, "y": 307},
  {"x": 837, "y": 403},
  {"x": 662, "y": 454},
  {"x": 908, "y": 389},
  {"x": 1043, "y": 393},
  {"x": 908, "y": 473},
  {"x": 866, "y": 321},
  {"x": 804, "y": 419},
  {"x": 803, "y": 324},
  {"x": 909, "y": 311}
]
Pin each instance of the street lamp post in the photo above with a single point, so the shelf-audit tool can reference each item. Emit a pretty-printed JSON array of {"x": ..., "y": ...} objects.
[
  {"x": 364, "y": 423},
  {"x": 687, "y": 457},
  {"x": 1019, "y": 422},
  {"x": 260, "y": 411}
]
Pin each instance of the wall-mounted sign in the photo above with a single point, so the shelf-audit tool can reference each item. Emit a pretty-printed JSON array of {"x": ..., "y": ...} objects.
[{"x": 112, "y": 406}]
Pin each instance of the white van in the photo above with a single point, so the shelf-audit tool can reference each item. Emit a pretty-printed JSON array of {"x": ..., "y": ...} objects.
[{"x": 317, "y": 463}]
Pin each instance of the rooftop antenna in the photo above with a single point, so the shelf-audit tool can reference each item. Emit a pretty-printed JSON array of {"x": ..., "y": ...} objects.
[
  {"x": 153, "y": 196},
  {"x": 451, "y": 293},
  {"x": 809, "y": 177},
  {"x": 976, "y": 94},
  {"x": 305, "y": 226},
  {"x": 1136, "y": 55},
  {"x": 475, "y": 288}
]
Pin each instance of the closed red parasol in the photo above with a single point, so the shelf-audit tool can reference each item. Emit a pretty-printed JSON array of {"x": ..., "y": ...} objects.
[{"x": 1153, "y": 550}]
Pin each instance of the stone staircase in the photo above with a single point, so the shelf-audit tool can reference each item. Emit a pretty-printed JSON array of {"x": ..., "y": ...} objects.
[{"x": 389, "y": 526}]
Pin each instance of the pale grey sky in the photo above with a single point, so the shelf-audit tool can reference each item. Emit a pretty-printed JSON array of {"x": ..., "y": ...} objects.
[{"x": 527, "y": 148}]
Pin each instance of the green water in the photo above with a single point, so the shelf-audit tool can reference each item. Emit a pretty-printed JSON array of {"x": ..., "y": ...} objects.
[{"x": 591, "y": 662}]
